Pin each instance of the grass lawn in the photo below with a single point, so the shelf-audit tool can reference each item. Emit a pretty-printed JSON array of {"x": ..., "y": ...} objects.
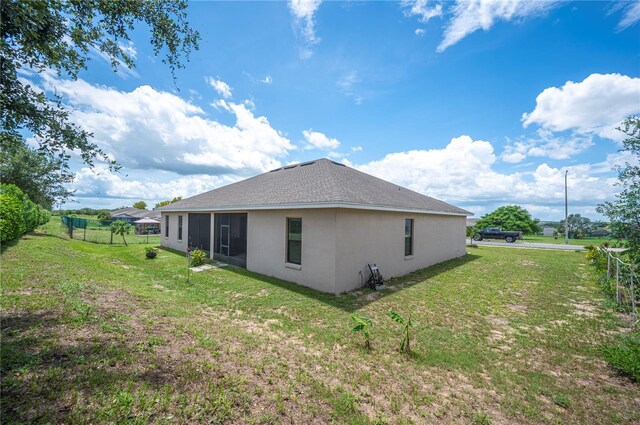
[
  {"x": 96, "y": 333},
  {"x": 560, "y": 240}
]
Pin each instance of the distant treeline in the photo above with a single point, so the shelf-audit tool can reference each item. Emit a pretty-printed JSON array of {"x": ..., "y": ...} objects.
[{"x": 81, "y": 211}]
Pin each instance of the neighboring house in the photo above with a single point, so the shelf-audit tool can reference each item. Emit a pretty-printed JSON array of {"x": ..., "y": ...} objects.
[
  {"x": 319, "y": 224},
  {"x": 131, "y": 215},
  {"x": 548, "y": 231}
]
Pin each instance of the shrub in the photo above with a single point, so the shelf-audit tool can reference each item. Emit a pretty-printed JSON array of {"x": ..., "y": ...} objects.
[
  {"x": 121, "y": 228},
  {"x": 150, "y": 249},
  {"x": 18, "y": 214},
  {"x": 197, "y": 258}
]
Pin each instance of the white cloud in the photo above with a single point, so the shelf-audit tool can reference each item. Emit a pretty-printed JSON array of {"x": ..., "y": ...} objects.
[
  {"x": 472, "y": 15},
  {"x": 356, "y": 149},
  {"x": 146, "y": 129},
  {"x": 347, "y": 84},
  {"x": 463, "y": 173},
  {"x": 513, "y": 156},
  {"x": 317, "y": 140},
  {"x": 267, "y": 80},
  {"x": 547, "y": 145},
  {"x": 419, "y": 32},
  {"x": 630, "y": 14},
  {"x": 596, "y": 105},
  {"x": 421, "y": 9},
  {"x": 102, "y": 183},
  {"x": 220, "y": 86},
  {"x": 129, "y": 48},
  {"x": 304, "y": 12}
]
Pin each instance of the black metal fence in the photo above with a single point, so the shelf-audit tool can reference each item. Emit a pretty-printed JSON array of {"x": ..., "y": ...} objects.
[{"x": 99, "y": 231}]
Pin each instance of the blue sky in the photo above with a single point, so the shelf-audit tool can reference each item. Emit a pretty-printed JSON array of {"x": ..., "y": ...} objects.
[{"x": 480, "y": 104}]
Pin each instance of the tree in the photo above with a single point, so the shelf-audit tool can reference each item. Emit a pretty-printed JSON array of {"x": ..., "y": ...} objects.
[
  {"x": 141, "y": 205},
  {"x": 104, "y": 216},
  {"x": 578, "y": 225},
  {"x": 121, "y": 228},
  {"x": 40, "y": 176},
  {"x": 163, "y": 203},
  {"x": 624, "y": 212},
  {"x": 510, "y": 218},
  {"x": 59, "y": 35}
]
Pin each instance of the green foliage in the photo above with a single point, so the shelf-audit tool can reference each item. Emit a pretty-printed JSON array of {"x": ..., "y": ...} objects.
[
  {"x": 61, "y": 36},
  {"x": 104, "y": 216},
  {"x": 405, "y": 343},
  {"x": 562, "y": 401},
  {"x": 198, "y": 257},
  {"x": 40, "y": 176},
  {"x": 510, "y": 218},
  {"x": 150, "y": 249},
  {"x": 624, "y": 212},
  {"x": 163, "y": 203},
  {"x": 624, "y": 355},
  {"x": 578, "y": 226},
  {"x": 362, "y": 325},
  {"x": 141, "y": 205},
  {"x": 18, "y": 214},
  {"x": 121, "y": 228}
]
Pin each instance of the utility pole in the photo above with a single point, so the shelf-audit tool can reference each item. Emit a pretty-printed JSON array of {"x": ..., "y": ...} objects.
[{"x": 566, "y": 211}]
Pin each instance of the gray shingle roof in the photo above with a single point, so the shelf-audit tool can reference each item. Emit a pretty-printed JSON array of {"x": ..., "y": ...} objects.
[
  {"x": 135, "y": 212},
  {"x": 321, "y": 183}
]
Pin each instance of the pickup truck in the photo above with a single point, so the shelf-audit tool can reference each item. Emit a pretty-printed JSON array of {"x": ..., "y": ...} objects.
[{"x": 496, "y": 233}]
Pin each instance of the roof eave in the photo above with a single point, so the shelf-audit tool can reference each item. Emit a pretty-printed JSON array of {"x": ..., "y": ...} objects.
[{"x": 316, "y": 205}]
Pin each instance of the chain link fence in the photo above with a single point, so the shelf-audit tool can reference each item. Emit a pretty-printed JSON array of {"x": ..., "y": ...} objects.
[
  {"x": 619, "y": 278},
  {"x": 99, "y": 231}
]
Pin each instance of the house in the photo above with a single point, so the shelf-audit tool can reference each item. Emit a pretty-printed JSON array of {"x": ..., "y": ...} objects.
[
  {"x": 319, "y": 224},
  {"x": 549, "y": 231},
  {"x": 131, "y": 215},
  {"x": 471, "y": 222}
]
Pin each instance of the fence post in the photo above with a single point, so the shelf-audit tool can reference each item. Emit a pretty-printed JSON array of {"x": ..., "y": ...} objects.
[
  {"x": 633, "y": 297},
  {"x": 617, "y": 281}
]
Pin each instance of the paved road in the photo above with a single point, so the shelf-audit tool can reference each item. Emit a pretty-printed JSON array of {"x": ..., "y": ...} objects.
[{"x": 531, "y": 245}]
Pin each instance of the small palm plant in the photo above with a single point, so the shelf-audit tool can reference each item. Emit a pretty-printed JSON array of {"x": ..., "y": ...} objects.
[
  {"x": 405, "y": 344},
  {"x": 362, "y": 325}
]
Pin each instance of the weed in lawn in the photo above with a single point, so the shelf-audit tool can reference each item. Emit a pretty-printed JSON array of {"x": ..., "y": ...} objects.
[
  {"x": 562, "y": 401},
  {"x": 479, "y": 418},
  {"x": 362, "y": 325}
]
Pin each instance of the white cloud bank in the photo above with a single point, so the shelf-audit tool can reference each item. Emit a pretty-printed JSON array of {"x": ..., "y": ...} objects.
[
  {"x": 146, "y": 129},
  {"x": 546, "y": 145},
  {"x": 463, "y": 173},
  {"x": 594, "y": 106}
]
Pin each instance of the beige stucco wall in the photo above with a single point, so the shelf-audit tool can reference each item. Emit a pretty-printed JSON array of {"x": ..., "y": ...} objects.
[
  {"x": 172, "y": 241},
  {"x": 364, "y": 237},
  {"x": 337, "y": 244},
  {"x": 266, "y": 246}
]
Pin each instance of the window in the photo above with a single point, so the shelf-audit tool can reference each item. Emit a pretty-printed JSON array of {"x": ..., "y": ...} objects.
[
  {"x": 408, "y": 237},
  {"x": 166, "y": 226},
  {"x": 294, "y": 241},
  {"x": 179, "y": 227}
]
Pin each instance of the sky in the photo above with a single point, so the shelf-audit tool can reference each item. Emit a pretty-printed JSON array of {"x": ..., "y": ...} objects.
[{"x": 477, "y": 103}]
